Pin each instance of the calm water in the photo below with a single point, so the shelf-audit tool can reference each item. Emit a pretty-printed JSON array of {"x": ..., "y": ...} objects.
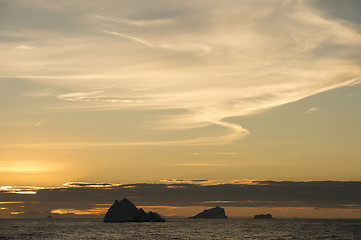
[{"x": 181, "y": 229}]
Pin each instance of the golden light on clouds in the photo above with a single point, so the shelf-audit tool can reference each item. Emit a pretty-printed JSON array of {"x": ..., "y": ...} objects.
[
  {"x": 96, "y": 211},
  {"x": 16, "y": 213},
  {"x": 105, "y": 95}
]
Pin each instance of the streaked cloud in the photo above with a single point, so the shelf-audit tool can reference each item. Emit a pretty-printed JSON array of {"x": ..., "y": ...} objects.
[
  {"x": 123, "y": 101},
  {"x": 213, "y": 60},
  {"x": 132, "y": 38},
  {"x": 244, "y": 181},
  {"x": 88, "y": 185},
  {"x": 20, "y": 190},
  {"x": 17, "y": 213},
  {"x": 23, "y": 124},
  {"x": 202, "y": 164},
  {"x": 24, "y": 47},
  {"x": 219, "y": 153},
  {"x": 94, "y": 96},
  {"x": 313, "y": 109},
  {"x": 67, "y": 211},
  {"x": 142, "y": 23},
  {"x": 199, "y": 181},
  {"x": 81, "y": 96}
]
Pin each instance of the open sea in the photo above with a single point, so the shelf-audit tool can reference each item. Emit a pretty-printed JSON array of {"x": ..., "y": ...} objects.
[{"x": 176, "y": 228}]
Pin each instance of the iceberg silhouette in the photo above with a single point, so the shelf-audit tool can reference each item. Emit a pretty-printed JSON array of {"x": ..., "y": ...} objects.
[
  {"x": 126, "y": 211},
  {"x": 263, "y": 216},
  {"x": 214, "y": 213}
]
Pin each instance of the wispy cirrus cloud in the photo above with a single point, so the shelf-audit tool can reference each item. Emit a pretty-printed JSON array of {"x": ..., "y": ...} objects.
[
  {"x": 141, "y": 23},
  {"x": 313, "y": 109},
  {"x": 219, "y": 153},
  {"x": 81, "y": 96},
  {"x": 24, "y": 47},
  {"x": 203, "y": 164},
  {"x": 23, "y": 124},
  {"x": 94, "y": 96},
  {"x": 210, "y": 59},
  {"x": 132, "y": 38}
]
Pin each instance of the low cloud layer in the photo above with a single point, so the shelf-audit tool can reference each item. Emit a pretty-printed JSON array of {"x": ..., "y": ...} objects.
[
  {"x": 84, "y": 197},
  {"x": 212, "y": 59}
]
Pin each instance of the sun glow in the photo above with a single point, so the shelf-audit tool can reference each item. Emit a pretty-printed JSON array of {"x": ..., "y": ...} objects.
[
  {"x": 25, "y": 167},
  {"x": 241, "y": 103}
]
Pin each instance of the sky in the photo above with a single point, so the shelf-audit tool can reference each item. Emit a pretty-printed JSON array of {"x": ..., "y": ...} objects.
[{"x": 251, "y": 105}]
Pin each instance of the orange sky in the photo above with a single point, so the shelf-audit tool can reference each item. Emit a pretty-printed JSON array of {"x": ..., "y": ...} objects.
[{"x": 129, "y": 92}]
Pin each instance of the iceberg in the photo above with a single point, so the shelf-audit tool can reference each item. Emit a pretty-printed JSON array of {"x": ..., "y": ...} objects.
[
  {"x": 263, "y": 216},
  {"x": 126, "y": 211},
  {"x": 154, "y": 217},
  {"x": 214, "y": 213}
]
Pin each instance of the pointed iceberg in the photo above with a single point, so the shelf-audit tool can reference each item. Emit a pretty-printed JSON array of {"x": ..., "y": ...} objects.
[{"x": 126, "y": 211}]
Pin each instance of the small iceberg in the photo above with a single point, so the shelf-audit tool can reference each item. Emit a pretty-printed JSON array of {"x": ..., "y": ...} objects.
[
  {"x": 213, "y": 213},
  {"x": 263, "y": 216},
  {"x": 126, "y": 211}
]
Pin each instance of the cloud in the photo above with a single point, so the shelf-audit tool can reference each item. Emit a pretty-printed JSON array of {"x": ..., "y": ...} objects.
[
  {"x": 138, "y": 40},
  {"x": 123, "y": 101},
  {"x": 24, "y": 47},
  {"x": 20, "y": 189},
  {"x": 200, "y": 181},
  {"x": 243, "y": 181},
  {"x": 81, "y": 96},
  {"x": 219, "y": 153},
  {"x": 88, "y": 185},
  {"x": 23, "y": 124},
  {"x": 89, "y": 197},
  {"x": 313, "y": 109},
  {"x": 202, "y": 164},
  {"x": 213, "y": 60},
  {"x": 94, "y": 96},
  {"x": 141, "y": 23}
]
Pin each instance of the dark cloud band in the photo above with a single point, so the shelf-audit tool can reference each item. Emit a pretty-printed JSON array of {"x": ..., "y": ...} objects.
[{"x": 317, "y": 194}]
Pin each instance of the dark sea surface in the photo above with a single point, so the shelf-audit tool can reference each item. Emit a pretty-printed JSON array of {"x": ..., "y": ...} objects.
[{"x": 181, "y": 229}]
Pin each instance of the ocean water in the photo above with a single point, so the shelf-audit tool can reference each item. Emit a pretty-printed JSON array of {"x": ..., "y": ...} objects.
[{"x": 181, "y": 229}]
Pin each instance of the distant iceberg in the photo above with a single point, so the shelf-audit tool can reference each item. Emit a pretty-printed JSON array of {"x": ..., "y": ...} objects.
[
  {"x": 126, "y": 211},
  {"x": 263, "y": 216},
  {"x": 213, "y": 213}
]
